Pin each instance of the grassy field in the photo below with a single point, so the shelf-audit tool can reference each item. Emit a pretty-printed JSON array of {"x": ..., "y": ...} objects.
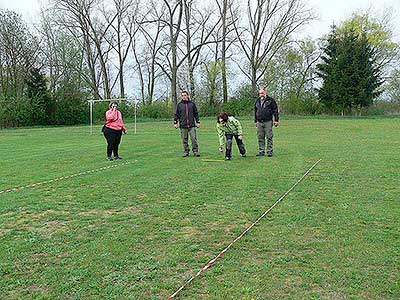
[{"x": 139, "y": 231}]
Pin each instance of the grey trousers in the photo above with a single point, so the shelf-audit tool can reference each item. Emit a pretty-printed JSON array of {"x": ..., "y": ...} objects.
[
  {"x": 264, "y": 129},
  {"x": 185, "y": 132}
]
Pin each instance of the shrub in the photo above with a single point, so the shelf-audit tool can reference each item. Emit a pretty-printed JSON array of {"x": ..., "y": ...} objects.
[
  {"x": 71, "y": 106},
  {"x": 238, "y": 107},
  {"x": 207, "y": 109},
  {"x": 156, "y": 110}
]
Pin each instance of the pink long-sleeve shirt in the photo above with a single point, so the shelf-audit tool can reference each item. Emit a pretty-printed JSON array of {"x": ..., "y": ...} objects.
[{"x": 114, "y": 120}]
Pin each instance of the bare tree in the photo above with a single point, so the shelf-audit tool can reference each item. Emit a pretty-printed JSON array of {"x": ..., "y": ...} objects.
[
  {"x": 212, "y": 69},
  {"x": 19, "y": 52},
  {"x": 46, "y": 29},
  {"x": 198, "y": 32},
  {"x": 228, "y": 16},
  {"x": 150, "y": 41},
  {"x": 139, "y": 67},
  {"x": 173, "y": 20},
  {"x": 79, "y": 16},
  {"x": 19, "y": 55},
  {"x": 310, "y": 55},
  {"x": 64, "y": 55},
  {"x": 223, "y": 12},
  {"x": 270, "y": 23},
  {"x": 70, "y": 15},
  {"x": 379, "y": 33},
  {"x": 121, "y": 35},
  {"x": 186, "y": 37},
  {"x": 154, "y": 46}
]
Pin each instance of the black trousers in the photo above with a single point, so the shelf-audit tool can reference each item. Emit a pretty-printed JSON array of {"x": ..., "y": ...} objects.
[
  {"x": 229, "y": 141},
  {"x": 113, "y": 138}
]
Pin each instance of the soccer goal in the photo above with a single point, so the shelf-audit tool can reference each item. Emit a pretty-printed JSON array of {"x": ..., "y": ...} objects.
[{"x": 119, "y": 100}]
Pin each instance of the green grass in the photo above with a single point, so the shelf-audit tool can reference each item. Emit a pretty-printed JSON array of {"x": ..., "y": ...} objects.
[{"x": 141, "y": 230}]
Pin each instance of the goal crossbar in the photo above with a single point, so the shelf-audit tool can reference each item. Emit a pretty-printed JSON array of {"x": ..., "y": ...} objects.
[{"x": 93, "y": 101}]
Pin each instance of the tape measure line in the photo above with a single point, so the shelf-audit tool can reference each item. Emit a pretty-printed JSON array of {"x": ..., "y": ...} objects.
[
  {"x": 211, "y": 262},
  {"x": 33, "y": 185}
]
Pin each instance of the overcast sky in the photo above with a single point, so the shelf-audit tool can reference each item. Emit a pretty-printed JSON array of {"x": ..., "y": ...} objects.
[
  {"x": 328, "y": 11},
  {"x": 335, "y": 11}
]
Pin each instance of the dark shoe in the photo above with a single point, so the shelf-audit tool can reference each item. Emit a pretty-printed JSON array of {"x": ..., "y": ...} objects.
[
  {"x": 228, "y": 158},
  {"x": 260, "y": 154},
  {"x": 117, "y": 157},
  {"x": 269, "y": 155},
  {"x": 109, "y": 158},
  {"x": 185, "y": 154},
  {"x": 196, "y": 154}
]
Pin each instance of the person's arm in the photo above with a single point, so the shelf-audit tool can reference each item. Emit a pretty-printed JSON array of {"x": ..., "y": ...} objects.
[
  {"x": 122, "y": 122},
  {"x": 221, "y": 136},
  {"x": 255, "y": 112},
  {"x": 196, "y": 115},
  {"x": 275, "y": 111},
  {"x": 177, "y": 116},
  {"x": 111, "y": 115},
  {"x": 238, "y": 126}
]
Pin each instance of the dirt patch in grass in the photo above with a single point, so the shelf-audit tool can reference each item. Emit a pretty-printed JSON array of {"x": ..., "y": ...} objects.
[
  {"x": 53, "y": 226},
  {"x": 141, "y": 196},
  {"x": 39, "y": 256},
  {"x": 46, "y": 222},
  {"x": 7, "y": 214},
  {"x": 190, "y": 232},
  {"x": 104, "y": 213},
  {"x": 4, "y": 231},
  {"x": 32, "y": 215}
]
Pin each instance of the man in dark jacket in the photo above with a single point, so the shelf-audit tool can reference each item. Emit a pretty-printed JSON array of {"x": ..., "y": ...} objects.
[
  {"x": 187, "y": 118},
  {"x": 266, "y": 114}
]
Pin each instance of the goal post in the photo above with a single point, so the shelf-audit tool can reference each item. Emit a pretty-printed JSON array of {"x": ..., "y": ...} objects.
[{"x": 93, "y": 101}]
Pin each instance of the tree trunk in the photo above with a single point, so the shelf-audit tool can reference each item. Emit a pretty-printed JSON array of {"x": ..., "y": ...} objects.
[
  {"x": 223, "y": 52},
  {"x": 254, "y": 81},
  {"x": 174, "y": 96},
  {"x": 174, "y": 29},
  {"x": 188, "y": 50}
]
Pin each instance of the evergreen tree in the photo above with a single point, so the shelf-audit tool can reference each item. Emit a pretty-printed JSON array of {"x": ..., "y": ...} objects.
[
  {"x": 42, "y": 107},
  {"x": 71, "y": 104},
  {"x": 328, "y": 71},
  {"x": 350, "y": 77}
]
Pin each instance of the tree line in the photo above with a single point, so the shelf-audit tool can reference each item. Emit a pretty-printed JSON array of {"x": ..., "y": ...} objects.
[{"x": 221, "y": 51}]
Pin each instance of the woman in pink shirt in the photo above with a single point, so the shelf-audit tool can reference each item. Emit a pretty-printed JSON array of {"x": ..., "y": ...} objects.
[{"x": 113, "y": 130}]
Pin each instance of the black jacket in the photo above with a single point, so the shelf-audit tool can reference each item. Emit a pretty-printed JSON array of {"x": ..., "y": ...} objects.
[
  {"x": 264, "y": 110},
  {"x": 187, "y": 115}
]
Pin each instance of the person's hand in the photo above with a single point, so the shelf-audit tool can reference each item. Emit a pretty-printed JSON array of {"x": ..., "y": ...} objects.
[
  {"x": 220, "y": 149},
  {"x": 240, "y": 137},
  {"x": 176, "y": 125},
  {"x": 276, "y": 123},
  {"x": 125, "y": 131},
  {"x": 198, "y": 125}
]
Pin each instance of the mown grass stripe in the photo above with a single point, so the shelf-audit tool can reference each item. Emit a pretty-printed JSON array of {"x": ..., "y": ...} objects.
[{"x": 212, "y": 261}]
